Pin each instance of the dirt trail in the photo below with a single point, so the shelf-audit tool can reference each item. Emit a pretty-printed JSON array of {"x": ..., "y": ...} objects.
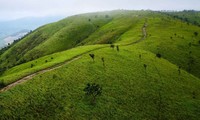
[
  {"x": 39, "y": 72},
  {"x": 29, "y": 77},
  {"x": 144, "y": 32}
]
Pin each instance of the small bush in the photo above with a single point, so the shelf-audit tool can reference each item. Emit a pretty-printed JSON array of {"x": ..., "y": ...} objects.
[
  {"x": 102, "y": 59},
  {"x": 92, "y": 90},
  {"x": 54, "y": 76},
  {"x": 179, "y": 70},
  {"x": 158, "y": 55},
  {"x": 112, "y": 46},
  {"x": 190, "y": 44},
  {"x": 196, "y": 33},
  {"x": 140, "y": 56},
  {"x": 145, "y": 66},
  {"x": 32, "y": 65},
  {"x": 2, "y": 85},
  {"x": 92, "y": 56},
  {"x": 117, "y": 48}
]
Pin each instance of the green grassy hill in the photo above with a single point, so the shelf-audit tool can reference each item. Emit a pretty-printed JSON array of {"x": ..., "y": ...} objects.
[{"x": 136, "y": 83}]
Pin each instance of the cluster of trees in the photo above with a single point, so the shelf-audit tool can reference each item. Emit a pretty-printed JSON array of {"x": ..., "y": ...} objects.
[{"x": 182, "y": 17}]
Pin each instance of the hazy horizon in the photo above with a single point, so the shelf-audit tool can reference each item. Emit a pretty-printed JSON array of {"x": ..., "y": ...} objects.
[{"x": 10, "y": 10}]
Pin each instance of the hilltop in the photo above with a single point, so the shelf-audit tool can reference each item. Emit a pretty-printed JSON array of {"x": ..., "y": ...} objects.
[{"x": 152, "y": 74}]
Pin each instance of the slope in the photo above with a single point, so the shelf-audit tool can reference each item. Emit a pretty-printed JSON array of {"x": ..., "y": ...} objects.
[
  {"x": 129, "y": 91},
  {"x": 174, "y": 41},
  {"x": 73, "y": 31},
  {"x": 136, "y": 84},
  {"x": 65, "y": 33}
]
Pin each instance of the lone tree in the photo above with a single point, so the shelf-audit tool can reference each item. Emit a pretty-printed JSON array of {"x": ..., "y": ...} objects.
[
  {"x": 196, "y": 33},
  {"x": 179, "y": 70},
  {"x": 92, "y": 91},
  {"x": 92, "y": 56},
  {"x": 117, "y": 48},
  {"x": 2, "y": 84},
  {"x": 140, "y": 56},
  {"x": 158, "y": 55},
  {"x": 112, "y": 46},
  {"x": 32, "y": 65},
  {"x": 145, "y": 66},
  {"x": 103, "y": 61},
  {"x": 190, "y": 44}
]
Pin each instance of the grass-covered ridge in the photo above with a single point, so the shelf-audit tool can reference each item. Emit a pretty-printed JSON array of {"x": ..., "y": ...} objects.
[
  {"x": 136, "y": 83},
  {"x": 129, "y": 91},
  {"x": 42, "y": 63}
]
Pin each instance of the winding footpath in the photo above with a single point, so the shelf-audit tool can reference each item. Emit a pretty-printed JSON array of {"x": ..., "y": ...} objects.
[{"x": 29, "y": 77}]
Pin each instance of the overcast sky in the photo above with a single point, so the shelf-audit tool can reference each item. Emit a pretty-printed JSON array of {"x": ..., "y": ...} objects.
[{"x": 14, "y": 9}]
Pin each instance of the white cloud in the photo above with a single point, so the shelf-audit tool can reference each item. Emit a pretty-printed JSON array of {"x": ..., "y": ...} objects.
[{"x": 11, "y": 9}]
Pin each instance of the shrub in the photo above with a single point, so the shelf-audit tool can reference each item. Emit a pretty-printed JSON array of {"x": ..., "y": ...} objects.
[
  {"x": 145, "y": 66},
  {"x": 179, "y": 70},
  {"x": 103, "y": 61},
  {"x": 140, "y": 56},
  {"x": 196, "y": 33},
  {"x": 112, "y": 46},
  {"x": 92, "y": 91},
  {"x": 158, "y": 55},
  {"x": 2, "y": 85},
  {"x": 117, "y": 48},
  {"x": 32, "y": 65},
  {"x": 190, "y": 44},
  {"x": 54, "y": 76},
  {"x": 92, "y": 56}
]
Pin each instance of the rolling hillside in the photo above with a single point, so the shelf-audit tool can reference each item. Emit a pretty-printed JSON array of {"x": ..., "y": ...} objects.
[{"x": 153, "y": 74}]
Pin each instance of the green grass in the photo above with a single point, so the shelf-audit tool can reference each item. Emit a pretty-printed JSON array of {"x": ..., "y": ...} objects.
[
  {"x": 177, "y": 49},
  {"x": 191, "y": 17},
  {"x": 52, "y": 38},
  {"x": 20, "y": 71},
  {"x": 129, "y": 92}
]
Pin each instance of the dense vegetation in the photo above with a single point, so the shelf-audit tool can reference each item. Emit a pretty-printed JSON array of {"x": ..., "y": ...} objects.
[
  {"x": 189, "y": 16},
  {"x": 146, "y": 68}
]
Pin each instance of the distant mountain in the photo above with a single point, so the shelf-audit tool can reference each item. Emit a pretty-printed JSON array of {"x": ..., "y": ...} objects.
[
  {"x": 9, "y": 39},
  {"x": 7, "y": 28}
]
